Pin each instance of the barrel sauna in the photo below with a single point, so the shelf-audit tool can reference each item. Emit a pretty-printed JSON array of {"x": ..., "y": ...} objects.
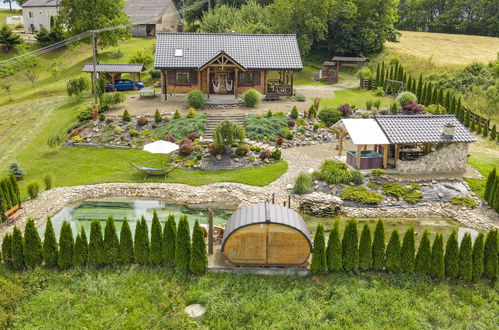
[{"x": 266, "y": 235}]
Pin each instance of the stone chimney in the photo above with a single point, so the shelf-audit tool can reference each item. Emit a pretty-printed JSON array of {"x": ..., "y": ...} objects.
[{"x": 449, "y": 130}]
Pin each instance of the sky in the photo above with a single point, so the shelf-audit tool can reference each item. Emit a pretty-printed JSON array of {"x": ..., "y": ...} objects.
[{"x": 6, "y": 5}]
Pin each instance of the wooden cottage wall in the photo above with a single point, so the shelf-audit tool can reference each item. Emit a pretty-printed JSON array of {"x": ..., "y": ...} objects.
[
  {"x": 172, "y": 88},
  {"x": 259, "y": 86}
]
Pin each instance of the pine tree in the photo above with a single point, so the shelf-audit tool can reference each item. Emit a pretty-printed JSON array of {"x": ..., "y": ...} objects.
[
  {"x": 365, "y": 248},
  {"x": 440, "y": 99},
  {"x": 141, "y": 243},
  {"x": 485, "y": 130},
  {"x": 80, "y": 253},
  {"x": 350, "y": 247},
  {"x": 111, "y": 243},
  {"x": 478, "y": 257},
  {"x": 182, "y": 246},
  {"x": 452, "y": 256},
  {"x": 126, "y": 255},
  {"x": 318, "y": 265},
  {"x": 490, "y": 255},
  {"x": 17, "y": 255},
  {"x": 13, "y": 181},
  {"x": 7, "y": 250},
  {"x": 434, "y": 96},
  {"x": 478, "y": 128},
  {"x": 169, "y": 240},
  {"x": 66, "y": 246},
  {"x": 423, "y": 257},
  {"x": 466, "y": 259},
  {"x": 96, "y": 253},
  {"x": 379, "y": 246},
  {"x": 33, "y": 252},
  {"x": 437, "y": 266},
  {"x": 333, "y": 251},
  {"x": 156, "y": 241},
  {"x": 491, "y": 181},
  {"x": 408, "y": 252},
  {"x": 198, "y": 262},
  {"x": 393, "y": 252},
  {"x": 50, "y": 246},
  {"x": 493, "y": 133}
]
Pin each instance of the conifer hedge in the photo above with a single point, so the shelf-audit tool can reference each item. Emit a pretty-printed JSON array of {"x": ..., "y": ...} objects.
[
  {"x": 365, "y": 248},
  {"x": 319, "y": 260},
  {"x": 333, "y": 251},
  {"x": 379, "y": 246},
  {"x": 156, "y": 241},
  {"x": 80, "y": 253},
  {"x": 451, "y": 256},
  {"x": 50, "y": 246},
  {"x": 66, "y": 246},
  {"x": 141, "y": 243},
  {"x": 437, "y": 266},
  {"x": 350, "y": 247},
  {"x": 182, "y": 246},
  {"x": 423, "y": 257},
  {"x": 478, "y": 257},
  {"x": 96, "y": 253},
  {"x": 393, "y": 252},
  {"x": 33, "y": 252},
  {"x": 111, "y": 243},
  {"x": 126, "y": 254},
  {"x": 466, "y": 259},
  {"x": 16, "y": 250},
  {"x": 198, "y": 263},
  {"x": 169, "y": 241},
  {"x": 490, "y": 267},
  {"x": 407, "y": 254},
  {"x": 7, "y": 250}
]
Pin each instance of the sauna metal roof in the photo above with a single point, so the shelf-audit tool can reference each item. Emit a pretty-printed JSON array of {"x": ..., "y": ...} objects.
[{"x": 265, "y": 213}]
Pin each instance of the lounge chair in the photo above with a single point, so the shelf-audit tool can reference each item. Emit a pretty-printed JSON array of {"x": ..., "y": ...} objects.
[{"x": 154, "y": 171}]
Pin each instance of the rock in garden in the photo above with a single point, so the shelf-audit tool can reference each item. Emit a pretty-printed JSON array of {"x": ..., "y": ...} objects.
[{"x": 195, "y": 311}]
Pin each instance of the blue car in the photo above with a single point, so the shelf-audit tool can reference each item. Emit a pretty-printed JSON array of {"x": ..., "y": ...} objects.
[{"x": 124, "y": 85}]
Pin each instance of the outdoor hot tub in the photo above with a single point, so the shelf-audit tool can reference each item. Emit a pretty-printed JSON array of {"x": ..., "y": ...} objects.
[{"x": 368, "y": 159}]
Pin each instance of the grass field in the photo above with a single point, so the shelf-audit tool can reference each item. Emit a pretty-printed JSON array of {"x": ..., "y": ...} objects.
[
  {"x": 355, "y": 97},
  {"x": 484, "y": 156},
  {"x": 4, "y": 13},
  {"x": 149, "y": 298}
]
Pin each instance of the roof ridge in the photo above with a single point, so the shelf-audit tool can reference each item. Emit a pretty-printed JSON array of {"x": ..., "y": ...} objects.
[{"x": 229, "y": 34}]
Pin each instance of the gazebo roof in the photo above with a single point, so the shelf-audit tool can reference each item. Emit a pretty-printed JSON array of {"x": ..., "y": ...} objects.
[
  {"x": 114, "y": 67},
  {"x": 363, "y": 131}
]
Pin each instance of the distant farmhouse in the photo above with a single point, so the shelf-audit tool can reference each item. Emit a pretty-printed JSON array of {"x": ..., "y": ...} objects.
[{"x": 148, "y": 16}]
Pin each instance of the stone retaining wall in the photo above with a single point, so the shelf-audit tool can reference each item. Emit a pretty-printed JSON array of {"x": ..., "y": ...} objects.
[{"x": 450, "y": 158}]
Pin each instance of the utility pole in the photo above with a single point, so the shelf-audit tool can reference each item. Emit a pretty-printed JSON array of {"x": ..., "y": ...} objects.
[
  {"x": 209, "y": 5},
  {"x": 94, "y": 74}
]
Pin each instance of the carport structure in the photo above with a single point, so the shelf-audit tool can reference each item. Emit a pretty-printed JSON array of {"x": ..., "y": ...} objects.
[{"x": 113, "y": 71}]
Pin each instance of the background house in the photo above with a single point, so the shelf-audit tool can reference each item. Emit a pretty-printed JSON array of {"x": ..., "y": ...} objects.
[
  {"x": 37, "y": 14},
  {"x": 152, "y": 16}
]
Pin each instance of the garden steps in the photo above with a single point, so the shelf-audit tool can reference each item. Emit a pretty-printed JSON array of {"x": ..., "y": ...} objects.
[{"x": 212, "y": 120}]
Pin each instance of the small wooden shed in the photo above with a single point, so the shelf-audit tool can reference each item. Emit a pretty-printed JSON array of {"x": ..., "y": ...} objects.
[{"x": 266, "y": 235}]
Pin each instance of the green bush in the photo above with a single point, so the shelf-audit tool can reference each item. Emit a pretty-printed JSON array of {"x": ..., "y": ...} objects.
[
  {"x": 365, "y": 248},
  {"x": 407, "y": 254},
  {"x": 318, "y": 265},
  {"x": 350, "y": 247},
  {"x": 329, "y": 116},
  {"x": 182, "y": 246},
  {"x": 406, "y": 97},
  {"x": 17, "y": 250},
  {"x": 66, "y": 246},
  {"x": 300, "y": 98},
  {"x": 379, "y": 91},
  {"x": 180, "y": 128},
  {"x": 156, "y": 241},
  {"x": 369, "y": 104},
  {"x": 177, "y": 114},
  {"x": 96, "y": 253},
  {"x": 466, "y": 259},
  {"x": 490, "y": 266},
  {"x": 451, "y": 258},
  {"x": 423, "y": 256},
  {"x": 333, "y": 251},
  {"x": 33, "y": 188},
  {"x": 357, "y": 177},
  {"x": 303, "y": 184},
  {"x": 377, "y": 172},
  {"x": 108, "y": 100},
  {"x": 169, "y": 241},
  {"x": 334, "y": 172},
  {"x": 466, "y": 201},
  {"x": 276, "y": 154},
  {"x": 251, "y": 98},
  {"x": 48, "y": 181},
  {"x": 410, "y": 195},
  {"x": 227, "y": 133},
  {"x": 377, "y": 103},
  {"x": 478, "y": 257},
  {"x": 126, "y": 116},
  {"x": 242, "y": 150},
  {"x": 50, "y": 246},
  {"x": 294, "y": 112},
  {"x": 437, "y": 265},
  {"x": 270, "y": 127},
  {"x": 33, "y": 251},
  {"x": 111, "y": 243},
  {"x": 15, "y": 186},
  {"x": 491, "y": 182},
  {"x": 157, "y": 116},
  {"x": 7, "y": 250},
  {"x": 379, "y": 246},
  {"x": 198, "y": 263},
  {"x": 361, "y": 195},
  {"x": 84, "y": 114},
  {"x": 393, "y": 252},
  {"x": 312, "y": 112},
  {"x": 301, "y": 122},
  {"x": 126, "y": 255},
  {"x": 102, "y": 117},
  {"x": 80, "y": 253},
  {"x": 155, "y": 74},
  {"x": 141, "y": 243},
  {"x": 191, "y": 113}
]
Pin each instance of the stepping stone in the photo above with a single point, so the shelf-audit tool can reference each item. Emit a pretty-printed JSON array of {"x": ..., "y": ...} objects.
[{"x": 195, "y": 311}]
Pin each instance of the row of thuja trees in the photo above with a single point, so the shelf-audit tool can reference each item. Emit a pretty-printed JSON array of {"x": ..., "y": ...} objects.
[
  {"x": 9, "y": 195},
  {"x": 466, "y": 261},
  {"x": 170, "y": 246}
]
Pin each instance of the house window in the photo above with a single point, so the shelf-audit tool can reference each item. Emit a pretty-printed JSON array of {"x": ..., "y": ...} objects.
[
  {"x": 246, "y": 78},
  {"x": 30, "y": 13},
  {"x": 182, "y": 78}
]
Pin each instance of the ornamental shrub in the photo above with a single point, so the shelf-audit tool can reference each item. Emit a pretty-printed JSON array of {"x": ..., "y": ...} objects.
[
  {"x": 126, "y": 116},
  {"x": 242, "y": 150},
  {"x": 408, "y": 251},
  {"x": 423, "y": 256},
  {"x": 48, "y": 181},
  {"x": 111, "y": 243},
  {"x": 80, "y": 253},
  {"x": 276, "y": 154},
  {"x": 182, "y": 246},
  {"x": 365, "y": 248},
  {"x": 16, "y": 250},
  {"x": 33, "y": 189},
  {"x": 251, "y": 98},
  {"x": 185, "y": 147},
  {"x": 350, "y": 247},
  {"x": 16, "y": 169},
  {"x": 361, "y": 195},
  {"x": 126, "y": 254},
  {"x": 490, "y": 255},
  {"x": 318, "y": 265},
  {"x": 333, "y": 251},
  {"x": 191, "y": 113},
  {"x": 378, "y": 248},
  {"x": 329, "y": 116},
  {"x": 156, "y": 241},
  {"x": 466, "y": 259},
  {"x": 15, "y": 186},
  {"x": 33, "y": 252},
  {"x": 437, "y": 266},
  {"x": 369, "y": 104},
  {"x": 291, "y": 123},
  {"x": 478, "y": 257},
  {"x": 50, "y": 246},
  {"x": 169, "y": 241},
  {"x": 491, "y": 181},
  {"x": 198, "y": 263},
  {"x": 485, "y": 130},
  {"x": 96, "y": 253},
  {"x": 193, "y": 136},
  {"x": 357, "y": 177},
  {"x": 393, "y": 108},
  {"x": 157, "y": 116},
  {"x": 7, "y": 250},
  {"x": 452, "y": 256},
  {"x": 7, "y": 196},
  {"x": 303, "y": 184},
  {"x": 312, "y": 112},
  {"x": 66, "y": 246},
  {"x": 141, "y": 243},
  {"x": 141, "y": 121},
  {"x": 265, "y": 154},
  {"x": 493, "y": 133},
  {"x": 345, "y": 110},
  {"x": 393, "y": 252},
  {"x": 406, "y": 97},
  {"x": 195, "y": 99},
  {"x": 294, "y": 113}
]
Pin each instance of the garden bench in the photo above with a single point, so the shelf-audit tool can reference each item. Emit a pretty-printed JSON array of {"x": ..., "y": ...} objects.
[{"x": 14, "y": 212}]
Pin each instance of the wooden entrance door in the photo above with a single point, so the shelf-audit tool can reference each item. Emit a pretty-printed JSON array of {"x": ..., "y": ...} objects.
[{"x": 221, "y": 82}]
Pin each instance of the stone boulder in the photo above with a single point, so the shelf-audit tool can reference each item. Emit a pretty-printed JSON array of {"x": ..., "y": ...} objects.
[{"x": 319, "y": 204}]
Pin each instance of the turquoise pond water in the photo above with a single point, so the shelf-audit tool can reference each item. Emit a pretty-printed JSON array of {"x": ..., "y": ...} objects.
[{"x": 82, "y": 213}]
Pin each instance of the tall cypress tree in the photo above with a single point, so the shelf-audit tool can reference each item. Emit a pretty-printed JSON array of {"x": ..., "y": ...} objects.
[
  {"x": 66, "y": 246},
  {"x": 491, "y": 180},
  {"x": 365, "y": 248},
  {"x": 422, "y": 99},
  {"x": 169, "y": 241},
  {"x": 393, "y": 252},
  {"x": 429, "y": 93},
  {"x": 50, "y": 246},
  {"x": 333, "y": 251},
  {"x": 419, "y": 91},
  {"x": 80, "y": 254},
  {"x": 493, "y": 132},
  {"x": 13, "y": 196},
  {"x": 33, "y": 252},
  {"x": 437, "y": 267},
  {"x": 17, "y": 254},
  {"x": 15, "y": 185},
  {"x": 460, "y": 110},
  {"x": 3, "y": 205},
  {"x": 490, "y": 255},
  {"x": 408, "y": 252},
  {"x": 493, "y": 190},
  {"x": 452, "y": 109},
  {"x": 472, "y": 125},
  {"x": 350, "y": 247},
  {"x": 7, "y": 250},
  {"x": 478, "y": 257},
  {"x": 318, "y": 265},
  {"x": 111, "y": 243},
  {"x": 379, "y": 246},
  {"x": 96, "y": 253},
  {"x": 485, "y": 131},
  {"x": 378, "y": 75},
  {"x": 452, "y": 256},
  {"x": 182, "y": 246},
  {"x": 423, "y": 257},
  {"x": 6, "y": 194},
  {"x": 466, "y": 119},
  {"x": 383, "y": 75},
  {"x": 141, "y": 243},
  {"x": 495, "y": 205},
  {"x": 156, "y": 241},
  {"x": 434, "y": 96},
  {"x": 447, "y": 101},
  {"x": 126, "y": 255},
  {"x": 440, "y": 99},
  {"x": 466, "y": 259},
  {"x": 198, "y": 262}
]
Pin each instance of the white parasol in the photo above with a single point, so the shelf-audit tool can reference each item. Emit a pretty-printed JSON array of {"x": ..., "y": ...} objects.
[{"x": 161, "y": 147}]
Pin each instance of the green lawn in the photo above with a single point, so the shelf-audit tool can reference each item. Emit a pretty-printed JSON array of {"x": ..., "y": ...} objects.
[
  {"x": 355, "y": 97},
  {"x": 4, "y": 13},
  {"x": 484, "y": 156},
  {"x": 152, "y": 298}
]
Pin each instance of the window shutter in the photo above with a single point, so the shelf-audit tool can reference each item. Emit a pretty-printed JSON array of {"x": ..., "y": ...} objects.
[
  {"x": 170, "y": 77},
  {"x": 193, "y": 77},
  {"x": 256, "y": 78}
]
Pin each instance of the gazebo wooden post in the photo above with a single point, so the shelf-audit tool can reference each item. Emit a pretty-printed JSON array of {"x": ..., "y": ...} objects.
[
  {"x": 134, "y": 80},
  {"x": 236, "y": 80},
  {"x": 386, "y": 147},
  {"x": 359, "y": 150},
  {"x": 209, "y": 81},
  {"x": 112, "y": 74},
  {"x": 93, "y": 88},
  {"x": 340, "y": 143},
  {"x": 397, "y": 154},
  {"x": 292, "y": 76},
  {"x": 210, "y": 231}
]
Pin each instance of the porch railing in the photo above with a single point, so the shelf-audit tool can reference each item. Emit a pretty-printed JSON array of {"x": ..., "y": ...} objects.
[{"x": 275, "y": 87}]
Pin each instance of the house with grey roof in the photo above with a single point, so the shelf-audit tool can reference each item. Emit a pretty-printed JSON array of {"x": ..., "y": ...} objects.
[
  {"x": 227, "y": 63},
  {"x": 37, "y": 14},
  {"x": 152, "y": 16},
  {"x": 409, "y": 144}
]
